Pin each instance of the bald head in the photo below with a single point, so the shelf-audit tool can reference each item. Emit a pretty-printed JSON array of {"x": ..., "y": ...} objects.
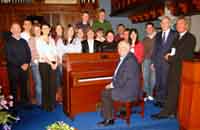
[
  {"x": 123, "y": 48},
  {"x": 15, "y": 29}
]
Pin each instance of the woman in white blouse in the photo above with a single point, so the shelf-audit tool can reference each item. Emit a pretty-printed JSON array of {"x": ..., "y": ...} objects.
[
  {"x": 71, "y": 44},
  {"x": 58, "y": 35},
  {"x": 48, "y": 60}
]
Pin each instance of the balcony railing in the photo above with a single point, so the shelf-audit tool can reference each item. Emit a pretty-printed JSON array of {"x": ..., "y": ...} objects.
[
  {"x": 82, "y": 2},
  {"x": 16, "y": 1}
]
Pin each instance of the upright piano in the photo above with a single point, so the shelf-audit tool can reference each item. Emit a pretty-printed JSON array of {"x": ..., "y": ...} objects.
[{"x": 84, "y": 78}]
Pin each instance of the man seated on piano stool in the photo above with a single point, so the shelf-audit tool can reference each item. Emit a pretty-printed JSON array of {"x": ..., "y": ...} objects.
[{"x": 124, "y": 85}]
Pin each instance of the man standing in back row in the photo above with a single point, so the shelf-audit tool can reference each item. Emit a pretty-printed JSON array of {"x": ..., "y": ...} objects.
[
  {"x": 101, "y": 22},
  {"x": 182, "y": 49}
]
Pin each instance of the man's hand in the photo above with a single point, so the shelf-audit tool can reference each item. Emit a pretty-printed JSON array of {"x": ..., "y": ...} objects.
[
  {"x": 167, "y": 56},
  {"x": 152, "y": 67},
  {"x": 53, "y": 66},
  {"x": 108, "y": 86},
  {"x": 24, "y": 67}
]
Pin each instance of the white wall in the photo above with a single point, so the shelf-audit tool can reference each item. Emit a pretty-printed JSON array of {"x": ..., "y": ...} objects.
[
  {"x": 195, "y": 29},
  {"x": 106, "y": 4}
]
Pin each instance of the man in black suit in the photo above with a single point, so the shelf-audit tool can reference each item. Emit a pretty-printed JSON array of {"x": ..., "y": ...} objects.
[
  {"x": 125, "y": 83},
  {"x": 163, "y": 42},
  {"x": 182, "y": 49},
  {"x": 90, "y": 45},
  {"x": 18, "y": 57}
]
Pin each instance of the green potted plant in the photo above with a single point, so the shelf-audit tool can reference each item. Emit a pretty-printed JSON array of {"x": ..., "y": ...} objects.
[
  {"x": 5, "y": 117},
  {"x": 60, "y": 125}
]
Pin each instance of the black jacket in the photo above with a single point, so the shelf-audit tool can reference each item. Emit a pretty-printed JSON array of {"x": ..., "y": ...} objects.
[
  {"x": 17, "y": 52},
  {"x": 85, "y": 46}
]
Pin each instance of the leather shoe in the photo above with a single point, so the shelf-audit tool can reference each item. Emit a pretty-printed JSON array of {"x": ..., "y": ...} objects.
[
  {"x": 106, "y": 122},
  {"x": 158, "y": 104},
  {"x": 162, "y": 116},
  {"x": 122, "y": 113}
]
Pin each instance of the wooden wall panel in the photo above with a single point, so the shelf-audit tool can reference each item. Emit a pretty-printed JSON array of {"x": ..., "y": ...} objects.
[
  {"x": 52, "y": 13},
  {"x": 18, "y": 12}
]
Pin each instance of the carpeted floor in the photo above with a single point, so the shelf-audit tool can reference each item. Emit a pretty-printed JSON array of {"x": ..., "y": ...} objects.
[{"x": 37, "y": 119}]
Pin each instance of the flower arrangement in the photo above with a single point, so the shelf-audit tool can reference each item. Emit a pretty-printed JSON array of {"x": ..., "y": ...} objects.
[
  {"x": 60, "y": 125},
  {"x": 5, "y": 117}
]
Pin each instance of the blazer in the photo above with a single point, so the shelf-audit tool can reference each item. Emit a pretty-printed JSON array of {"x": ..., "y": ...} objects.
[
  {"x": 126, "y": 80},
  {"x": 85, "y": 46},
  {"x": 184, "y": 51},
  {"x": 160, "y": 49}
]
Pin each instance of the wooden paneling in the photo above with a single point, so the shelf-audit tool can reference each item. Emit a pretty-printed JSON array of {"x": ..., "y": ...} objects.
[
  {"x": 52, "y": 13},
  {"x": 189, "y": 107},
  {"x": 18, "y": 12}
]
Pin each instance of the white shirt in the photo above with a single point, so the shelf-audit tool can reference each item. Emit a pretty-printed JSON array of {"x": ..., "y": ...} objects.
[
  {"x": 120, "y": 62},
  {"x": 59, "y": 48},
  {"x": 47, "y": 51},
  {"x": 91, "y": 46},
  {"x": 116, "y": 70},
  {"x": 26, "y": 36},
  {"x": 181, "y": 34},
  {"x": 74, "y": 47},
  {"x": 166, "y": 33}
]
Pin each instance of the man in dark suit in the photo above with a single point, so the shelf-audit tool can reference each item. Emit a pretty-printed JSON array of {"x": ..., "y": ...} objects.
[
  {"x": 125, "y": 83},
  {"x": 182, "y": 49},
  {"x": 163, "y": 41},
  {"x": 18, "y": 57},
  {"x": 90, "y": 45}
]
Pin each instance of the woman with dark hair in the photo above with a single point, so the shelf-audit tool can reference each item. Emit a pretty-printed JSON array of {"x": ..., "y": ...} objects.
[
  {"x": 90, "y": 45},
  {"x": 109, "y": 44},
  {"x": 48, "y": 61},
  {"x": 71, "y": 45},
  {"x": 136, "y": 46},
  {"x": 57, "y": 34}
]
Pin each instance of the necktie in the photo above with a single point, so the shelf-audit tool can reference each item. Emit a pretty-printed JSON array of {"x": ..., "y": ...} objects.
[
  {"x": 163, "y": 38},
  {"x": 179, "y": 36}
]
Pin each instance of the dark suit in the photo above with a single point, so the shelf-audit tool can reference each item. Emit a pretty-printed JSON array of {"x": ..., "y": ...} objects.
[
  {"x": 160, "y": 64},
  {"x": 184, "y": 51},
  {"x": 126, "y": 85},
  {"x": 85, "y": 46},
  {"x": 17, "y": 53}
]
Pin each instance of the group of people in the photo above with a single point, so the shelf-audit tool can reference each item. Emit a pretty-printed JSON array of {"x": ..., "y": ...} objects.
[
  {"x": 163, "y": 53},
  {"x": 41, "y": 47},
  {"x": 157, "y": 58}
]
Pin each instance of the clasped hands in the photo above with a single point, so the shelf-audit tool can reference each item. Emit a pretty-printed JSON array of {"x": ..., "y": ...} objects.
[{"x": 24, "y": 67}]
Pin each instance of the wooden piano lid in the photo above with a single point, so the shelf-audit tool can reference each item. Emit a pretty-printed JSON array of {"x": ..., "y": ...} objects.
[{"x": 87, "y": 61}]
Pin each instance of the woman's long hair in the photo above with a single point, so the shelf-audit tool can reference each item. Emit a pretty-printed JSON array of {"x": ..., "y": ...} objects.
[
  {"x": 66, "y": 34},
  {"x": 137, "y": 36},
  {"x": 54, "y": 34}
]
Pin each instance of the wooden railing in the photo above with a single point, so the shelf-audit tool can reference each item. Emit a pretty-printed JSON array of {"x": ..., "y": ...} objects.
[
  {"x": 16, "y": 1},
  {"x": 147, "y": 10},
  {"x": 82, "y": 2}
]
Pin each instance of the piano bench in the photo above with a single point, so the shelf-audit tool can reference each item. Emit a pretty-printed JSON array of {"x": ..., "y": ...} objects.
[{"x": 128, "y": 106}]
